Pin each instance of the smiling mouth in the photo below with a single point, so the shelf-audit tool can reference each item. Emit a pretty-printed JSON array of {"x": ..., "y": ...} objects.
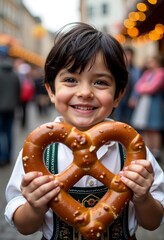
[{"x": 84, "y": 108}]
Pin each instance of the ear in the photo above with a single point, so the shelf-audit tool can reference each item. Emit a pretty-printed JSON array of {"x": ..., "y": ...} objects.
[
  {"x": 50, "y": 92},
  {"x": 118, "y": 99}
]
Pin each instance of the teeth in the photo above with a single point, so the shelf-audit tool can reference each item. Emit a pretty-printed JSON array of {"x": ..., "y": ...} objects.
[{"x": 84, "y": 108}]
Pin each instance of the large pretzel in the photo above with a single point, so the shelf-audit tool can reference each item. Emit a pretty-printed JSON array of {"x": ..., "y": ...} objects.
[{"x": 91, "y": 222}]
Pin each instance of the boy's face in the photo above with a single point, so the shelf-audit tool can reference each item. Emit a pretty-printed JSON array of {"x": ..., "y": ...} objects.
[{"x": 87, "y": 98}]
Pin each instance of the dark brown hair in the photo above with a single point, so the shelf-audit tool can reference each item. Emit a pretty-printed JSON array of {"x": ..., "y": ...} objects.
[{"x": 76, "y": 44}]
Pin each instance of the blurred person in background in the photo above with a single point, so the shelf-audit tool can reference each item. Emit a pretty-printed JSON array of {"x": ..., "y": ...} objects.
[
  {"x": 149, "y": 113},
  {"x": 27, "y": 90},
  {"x": 9, "y": 99},
  {"x": 125, "y": 109},
  {"x": 41, "y": 97}
]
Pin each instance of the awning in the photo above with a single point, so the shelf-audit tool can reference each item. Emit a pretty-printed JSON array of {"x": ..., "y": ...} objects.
[
  {"x": 10, "y": 46},
  {"x": 29, "y": 56}
]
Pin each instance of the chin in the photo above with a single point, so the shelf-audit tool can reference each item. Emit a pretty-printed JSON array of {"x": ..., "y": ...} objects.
[{"x": 84, "y": 127}]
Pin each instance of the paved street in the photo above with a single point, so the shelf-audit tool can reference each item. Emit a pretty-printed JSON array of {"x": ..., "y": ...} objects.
[{"x": 7, "y": 232}]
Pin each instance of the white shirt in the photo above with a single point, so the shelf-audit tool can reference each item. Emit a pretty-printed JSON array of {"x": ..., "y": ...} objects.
[{"x": 108, "y": 154}]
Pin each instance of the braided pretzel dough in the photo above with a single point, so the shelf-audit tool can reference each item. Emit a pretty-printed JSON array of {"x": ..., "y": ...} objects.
[{"x": 91, "y": 222}]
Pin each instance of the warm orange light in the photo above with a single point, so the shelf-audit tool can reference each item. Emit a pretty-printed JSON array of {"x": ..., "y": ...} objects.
[
  {"x": 139, "y": 40},
  {"x": 141, "y": 7},
  {"x": 159, "y": 28},
  {"x": 154, "y": 36},
  {"x": 129, "y": 23},
  {"x": 39, "y": 31},
  {"x": 146, "y": 37},
  {"x": 6, "y": 39},
  {"x": 29, "y": 56},
  {"x": 152, "y": 1},
  {"x": 131, "y": 16},
  {"x": 133, "y": 32},
  {"x": 142, "y": 16},
  {"x": 137, "y": 16},
  {"x": 120, "y": 38}
]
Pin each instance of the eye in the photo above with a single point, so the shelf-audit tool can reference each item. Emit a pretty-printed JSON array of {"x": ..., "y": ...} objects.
[
  {"x": 70, "y": 80},
  {"x": 101, "y": 83}
]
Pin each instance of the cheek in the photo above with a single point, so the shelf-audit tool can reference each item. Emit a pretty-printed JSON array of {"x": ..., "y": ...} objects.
[
  {"x": 107, "y": 100},
  {"x": 61, "y": 97}
]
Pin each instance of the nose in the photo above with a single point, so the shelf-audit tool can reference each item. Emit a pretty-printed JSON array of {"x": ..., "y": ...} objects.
[{"x": 85, "y": 91}]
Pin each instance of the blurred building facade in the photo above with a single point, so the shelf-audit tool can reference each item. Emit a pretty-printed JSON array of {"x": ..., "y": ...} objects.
[
  {"x": 139, "y": 23},
  {"x": 22, "y": 34},
  {"x": 106, "y": 15}
]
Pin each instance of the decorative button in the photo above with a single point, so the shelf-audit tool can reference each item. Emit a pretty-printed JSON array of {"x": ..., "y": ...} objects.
[{"x": 91, "y": 183}]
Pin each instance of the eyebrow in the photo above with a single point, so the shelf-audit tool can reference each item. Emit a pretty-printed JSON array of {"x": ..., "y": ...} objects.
[
  {"x": 103, "y": 74},
  {"x": 64, "y": 71}
]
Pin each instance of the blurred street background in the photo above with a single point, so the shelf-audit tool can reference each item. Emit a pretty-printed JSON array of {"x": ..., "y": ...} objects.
[{"x": 27, "y": 30}]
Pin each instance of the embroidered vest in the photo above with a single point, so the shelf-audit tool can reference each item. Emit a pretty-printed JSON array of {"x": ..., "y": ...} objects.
[{"x": 118, "y": 230}]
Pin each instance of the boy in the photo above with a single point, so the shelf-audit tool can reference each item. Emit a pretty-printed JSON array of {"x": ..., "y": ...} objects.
[{"x": 86, "y": 77}]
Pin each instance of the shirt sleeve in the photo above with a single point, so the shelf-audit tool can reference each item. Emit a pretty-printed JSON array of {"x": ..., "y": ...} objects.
[
  {"x": 157, "y": 191},
  {"x": 13, "y": 193}
]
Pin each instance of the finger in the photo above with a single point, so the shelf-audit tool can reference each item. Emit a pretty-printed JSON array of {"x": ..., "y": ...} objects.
[
  {"x": 139, "y": 191},
  {"x": 38, "y": 182},
  {"x": 45, "y": 188},
  {"x": 42, "y": 195},
  {"x": 129, "y": 177},
  {"x": 28, "y": 177},
  {"x": 134, "y": 170},
  {"x": 138, "y": 175},
  {"x": 49, "y": 195},
  {"x": 145, "y": 163},
  {"x": 130, "y": 183}
]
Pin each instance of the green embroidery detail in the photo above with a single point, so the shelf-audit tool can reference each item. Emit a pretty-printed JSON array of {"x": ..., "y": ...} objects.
[{"x": 62, "y": 231}]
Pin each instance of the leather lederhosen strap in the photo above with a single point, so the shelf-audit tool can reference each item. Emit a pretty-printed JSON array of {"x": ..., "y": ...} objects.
[
  {"x": 131, "y": 238},
  {"x": 43, "y": 238},
  {"x": 114, "y": 232}
]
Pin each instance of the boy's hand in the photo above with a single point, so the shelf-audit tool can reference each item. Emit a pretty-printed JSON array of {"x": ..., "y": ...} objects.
[
  {"x": 39, "y": 190},
  {"x": 138, "y": 176}
]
